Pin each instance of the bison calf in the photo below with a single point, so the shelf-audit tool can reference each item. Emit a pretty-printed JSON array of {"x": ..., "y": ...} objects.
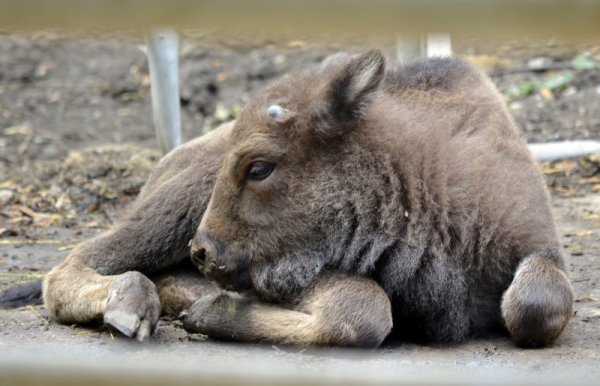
[{"x": 346, "y": 196}]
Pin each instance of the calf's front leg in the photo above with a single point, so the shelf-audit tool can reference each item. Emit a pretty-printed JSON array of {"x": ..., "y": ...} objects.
[
  {"x": 336, "y": 310},
  {"x": 104, "y": 278}
]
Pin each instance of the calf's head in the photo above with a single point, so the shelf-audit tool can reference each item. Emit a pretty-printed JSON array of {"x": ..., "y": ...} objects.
[{"x": 268, "y": 224}]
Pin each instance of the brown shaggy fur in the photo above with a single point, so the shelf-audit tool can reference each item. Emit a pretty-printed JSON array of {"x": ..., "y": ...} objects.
[{"x": 365, "y": 195}]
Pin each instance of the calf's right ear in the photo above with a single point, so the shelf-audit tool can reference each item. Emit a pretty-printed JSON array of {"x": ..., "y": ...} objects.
[{"x": 348, "y": 91}]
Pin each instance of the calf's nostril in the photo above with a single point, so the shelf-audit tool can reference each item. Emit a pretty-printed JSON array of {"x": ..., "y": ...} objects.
[{"x": 199, "y": 257}]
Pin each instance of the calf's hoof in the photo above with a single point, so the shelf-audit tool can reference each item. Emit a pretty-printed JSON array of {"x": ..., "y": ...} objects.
[
  {"x": 133, "y": 306},
  {"x": 215, "y": 315}
]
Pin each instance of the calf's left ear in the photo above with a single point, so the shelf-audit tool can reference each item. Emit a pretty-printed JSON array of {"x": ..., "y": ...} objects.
[{"x": 349, "y": 90}]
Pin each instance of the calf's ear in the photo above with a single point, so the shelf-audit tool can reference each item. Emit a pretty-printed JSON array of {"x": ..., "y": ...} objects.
[{"x": 348, "y": 91}]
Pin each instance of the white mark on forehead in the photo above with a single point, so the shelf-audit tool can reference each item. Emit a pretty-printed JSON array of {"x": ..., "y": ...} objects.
[{"x": 276, "y": 111}]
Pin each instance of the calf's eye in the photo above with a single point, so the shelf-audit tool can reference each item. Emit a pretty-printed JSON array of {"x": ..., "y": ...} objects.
[{"x": 259, "y": 170}]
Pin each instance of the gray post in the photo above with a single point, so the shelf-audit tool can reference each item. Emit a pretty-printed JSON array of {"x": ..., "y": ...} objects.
[
  {"x": 163, "y": 59},
  {"x": 438, "y": 45},
  {"x": 410, "y": 47}
]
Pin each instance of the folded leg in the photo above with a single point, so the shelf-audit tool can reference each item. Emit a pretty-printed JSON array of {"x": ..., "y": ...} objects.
[
  {"x": 539, "y": 302},
  {"x": 178, "y": 288},
  {"x": 337, "y": 310}
]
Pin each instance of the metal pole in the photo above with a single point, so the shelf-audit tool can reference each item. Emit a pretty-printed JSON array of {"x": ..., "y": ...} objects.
[
  {"x": 567, "y": 149},
  {"x": 412, "y": 46},
  {"x": 163, "y": 59},
  {"x": 438, "y": 45},
  {"x": 408, "y": 47}
]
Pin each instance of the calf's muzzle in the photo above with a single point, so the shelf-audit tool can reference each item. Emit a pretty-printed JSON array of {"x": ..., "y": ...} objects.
[{"x": 220, "y": 263}]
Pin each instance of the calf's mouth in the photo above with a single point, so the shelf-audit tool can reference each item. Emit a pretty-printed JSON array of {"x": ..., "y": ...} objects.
[{"x": 230, "y": 270}]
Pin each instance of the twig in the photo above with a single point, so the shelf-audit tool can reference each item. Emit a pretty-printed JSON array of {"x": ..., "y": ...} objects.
[
  {"x": 29, "y": 242},
  {"x": 28, "y": 211},
  {"x": 85, "y": 332},
  {"x": 110, "y": 332},
  {"x": 25, "y": 275},
  {"x": 30, "y": 308},
  {"x": 66, "y": 247}
]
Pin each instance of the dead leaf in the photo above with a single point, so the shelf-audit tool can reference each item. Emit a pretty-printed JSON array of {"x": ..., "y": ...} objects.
[
  {"x": 8, "y": 184},
  {"x": 221, "y": 77},
  {"x": 559, "y": 167},
  {"x": 584, "y": 233},
  {"x": 19, "y": 130},
  {"x": 546, "y": 94},
  {"x": 60, "y": 201},
  {"x": 567, "y": 191},
  {"x": 75, "y": 158},
  {"x": 29, "y": 212},
  {"x": 590, "y": 180},
  {"x": 45, "y": 220},
  {"x": 92, "y": 207},
  {"x": 591, "y": 217},
  {"x": 95, "y": 224},
  {"x": 591, "y": 315}
]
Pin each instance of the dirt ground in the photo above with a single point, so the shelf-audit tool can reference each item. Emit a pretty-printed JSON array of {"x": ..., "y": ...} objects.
[{"x": 77, "y": 142}]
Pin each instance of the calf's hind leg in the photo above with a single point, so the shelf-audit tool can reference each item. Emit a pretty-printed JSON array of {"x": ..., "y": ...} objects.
[
  {"x": 539, "y": 302},
  {"x": 178, "y": 288},
  {"x": 336, "y": 310}
]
